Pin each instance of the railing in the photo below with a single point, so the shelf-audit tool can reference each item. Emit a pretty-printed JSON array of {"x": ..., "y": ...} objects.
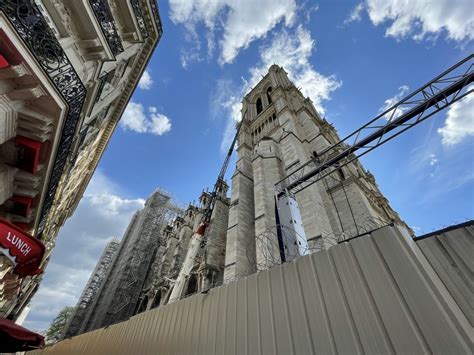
[
  {"x": 138, "y": 11},
  {"x": 106, "y": 21},
  {"x": 156, "y": 14},
  {"x": 30, "y": 24}
]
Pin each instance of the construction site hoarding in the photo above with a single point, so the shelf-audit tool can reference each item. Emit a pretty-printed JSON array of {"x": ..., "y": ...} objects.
[
  {"x": 373, "y": 294},
  {"x": 451, "y": 254}
]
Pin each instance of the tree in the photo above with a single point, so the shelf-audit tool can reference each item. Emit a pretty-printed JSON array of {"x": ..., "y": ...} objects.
[{"x": 53, "y": 334}]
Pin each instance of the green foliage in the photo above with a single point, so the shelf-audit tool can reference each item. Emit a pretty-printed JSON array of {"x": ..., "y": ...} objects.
[{"x": 53, "y": 334}]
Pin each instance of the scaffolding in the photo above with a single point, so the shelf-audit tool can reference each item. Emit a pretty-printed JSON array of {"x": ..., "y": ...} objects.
[
  {"x": 96, "y": 280},
  {"x": 118, "y": 297}
]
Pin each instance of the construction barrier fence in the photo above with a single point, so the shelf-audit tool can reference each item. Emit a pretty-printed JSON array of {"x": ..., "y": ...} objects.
[{"x": 378, "y": 293}]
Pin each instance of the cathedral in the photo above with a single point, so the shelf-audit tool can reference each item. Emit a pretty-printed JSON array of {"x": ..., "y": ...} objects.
[
  {"x": 282, "y": 131},
  {"x": 255, "y": 229}
]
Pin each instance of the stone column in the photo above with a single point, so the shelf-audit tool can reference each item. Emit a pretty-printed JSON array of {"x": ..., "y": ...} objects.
[
  {"x": 267, "y": 171},
  {"x": 214, "y": 259},
  {"x": 240, "y": 246}
]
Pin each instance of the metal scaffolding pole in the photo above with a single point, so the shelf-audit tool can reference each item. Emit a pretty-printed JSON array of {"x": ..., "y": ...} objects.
[{"x": 77, "y": 318}]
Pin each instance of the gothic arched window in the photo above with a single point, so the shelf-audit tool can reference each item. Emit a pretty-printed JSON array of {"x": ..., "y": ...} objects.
[
  {"x": 269, "y": 91},
  {"x": 192, "y": 285},
  {"x": 156, "y": 300},
  {"x": 259, "y": 106}
]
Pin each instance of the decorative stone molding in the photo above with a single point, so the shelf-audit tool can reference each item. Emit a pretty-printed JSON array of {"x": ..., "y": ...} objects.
[
  {"x": 14, "y": 71},
  {"x": 26, "y": 93},
  {"x": 35, "y": 125},
  {"x": 66, "y": 18},
  {"x": 7, "y": 175},
  {"x": 8, "y": 120}
]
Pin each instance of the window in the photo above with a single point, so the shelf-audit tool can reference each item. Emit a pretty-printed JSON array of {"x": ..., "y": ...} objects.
[
  {"x": 259, "y": 106},
  {"x": 269, "y": 91},
  {"x": 156, "y": 300},
  {"x": 192, "y": 286}
]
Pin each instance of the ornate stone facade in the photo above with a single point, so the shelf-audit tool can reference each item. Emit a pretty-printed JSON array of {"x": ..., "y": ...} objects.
[
  {"x": 149, "y": 258},
  {"x": 208, "y": 270},
  {"x": 63, "y": 99}
]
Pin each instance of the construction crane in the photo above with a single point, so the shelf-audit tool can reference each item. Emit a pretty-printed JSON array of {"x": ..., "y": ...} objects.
[
  {"x": 442, "y": 91},
  {"x": 198, "y": 240}
]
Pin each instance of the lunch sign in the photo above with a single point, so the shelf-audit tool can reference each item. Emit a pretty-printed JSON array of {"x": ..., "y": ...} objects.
[{"x": 24, "y": 251}]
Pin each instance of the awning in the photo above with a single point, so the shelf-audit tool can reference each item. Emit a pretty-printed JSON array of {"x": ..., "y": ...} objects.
[
  {"x": 28, "y": 154},
  {"x": 24, "y": 251},
  {"x": 15, "y": 338}
]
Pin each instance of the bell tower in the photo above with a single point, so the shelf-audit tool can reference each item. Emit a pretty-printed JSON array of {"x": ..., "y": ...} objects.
[{"x": 281, "y": 130}]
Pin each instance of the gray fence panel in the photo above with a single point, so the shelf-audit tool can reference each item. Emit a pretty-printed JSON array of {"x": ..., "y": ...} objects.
[
  {"x": 373, "y": 294},
  {"x": 450, "y": 253}
]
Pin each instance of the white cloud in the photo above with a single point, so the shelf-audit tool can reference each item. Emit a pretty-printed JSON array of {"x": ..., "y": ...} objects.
[
  {"x": 459, "y": 122},
  {"x": 241, "y": 22},
  {"x": 421, "y": 18},
  {"x": 390, "y": 115},
  {"x": 356, "y": 14},
  {"x": 190, "y": 56},
  {"x": 293, "y": 52},
  {"x": 307, "y": 8},
  {"x": 102, "y": 214},
  {"x": 111, "y": 206},
  {"x": 136, "y": 119},
  {"x": 160, "y": 124},
  {"x": 146, "y": 81},
  {"x": 425, "y": 159}
]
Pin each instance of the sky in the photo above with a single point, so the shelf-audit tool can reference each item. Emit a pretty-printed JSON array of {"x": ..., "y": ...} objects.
[{"x": 351, "y": 58}]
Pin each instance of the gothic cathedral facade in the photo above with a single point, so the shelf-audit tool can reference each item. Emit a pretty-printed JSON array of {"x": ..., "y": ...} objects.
[{"x": 281, "y": 131}]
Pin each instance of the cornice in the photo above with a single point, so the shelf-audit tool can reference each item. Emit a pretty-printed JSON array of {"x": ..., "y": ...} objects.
[{"x": 122, "y": 101}]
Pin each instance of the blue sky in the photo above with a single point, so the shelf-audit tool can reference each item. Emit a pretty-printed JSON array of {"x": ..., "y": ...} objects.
[{"x": 350, "y": 57}]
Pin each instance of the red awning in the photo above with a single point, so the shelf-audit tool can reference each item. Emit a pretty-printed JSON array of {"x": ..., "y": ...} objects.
[
  {"x": 24, "y": 251},
  {"x": 16, "y": 338},
  {"x": 3, "y": 62},
  {"x": 28, "y": 154}
]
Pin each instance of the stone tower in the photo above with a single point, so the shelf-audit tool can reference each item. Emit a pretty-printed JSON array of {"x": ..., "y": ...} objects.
[{"x": 281, "y": 130}]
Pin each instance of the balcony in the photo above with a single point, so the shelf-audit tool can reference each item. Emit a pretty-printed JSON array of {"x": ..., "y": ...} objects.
[
  {"x": 31, "y": 113},
  {"x": 106, "y": 22},
  {"x": 140, "y": 17}
]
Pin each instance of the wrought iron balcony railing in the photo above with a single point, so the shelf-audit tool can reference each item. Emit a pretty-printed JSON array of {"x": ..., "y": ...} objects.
[
  {"x": 31, "y": 26},
  {"x": 138, "y": 11},
  {"x": 156, "y": 14},
  {"x": 106, "y": 21}
]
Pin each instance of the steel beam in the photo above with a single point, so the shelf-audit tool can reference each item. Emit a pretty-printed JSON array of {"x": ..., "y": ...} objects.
[{"x": 447, "y": 88}]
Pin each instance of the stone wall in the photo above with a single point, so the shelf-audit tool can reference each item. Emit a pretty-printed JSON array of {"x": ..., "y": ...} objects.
[{"x": 283, "y": 135}]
